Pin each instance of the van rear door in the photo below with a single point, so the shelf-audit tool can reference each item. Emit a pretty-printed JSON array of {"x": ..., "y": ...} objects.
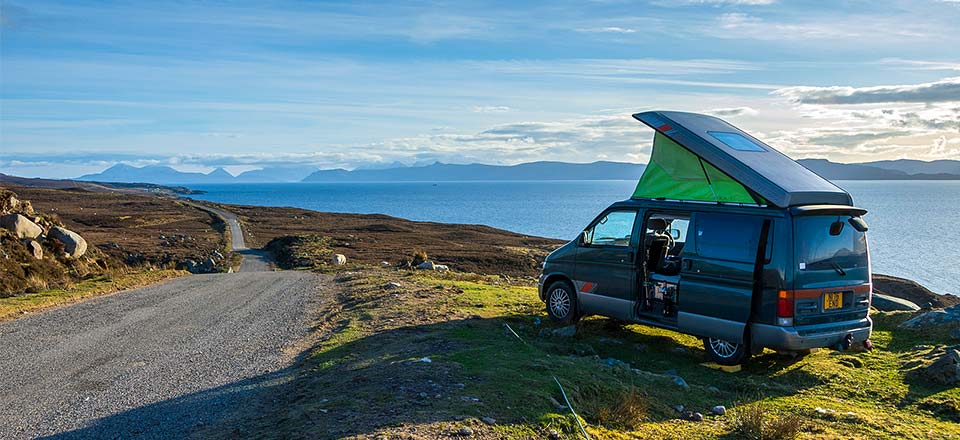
[
  {"x": 717, "y": 275},
  {"x": 832, "y": 281}
]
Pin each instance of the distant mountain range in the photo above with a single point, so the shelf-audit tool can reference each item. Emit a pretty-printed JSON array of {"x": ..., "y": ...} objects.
[
  {"x": 165, "y": 175},
  {"x": 903, "y": 169}
]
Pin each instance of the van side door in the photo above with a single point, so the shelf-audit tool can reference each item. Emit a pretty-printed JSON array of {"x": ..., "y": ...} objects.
[
  {"x": 717, "y": 275},
  {"x": 605, "y": 275}
]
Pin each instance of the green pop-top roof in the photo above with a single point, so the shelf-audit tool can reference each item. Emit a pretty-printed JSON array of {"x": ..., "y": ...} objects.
[{"x": 703, "y": 158}]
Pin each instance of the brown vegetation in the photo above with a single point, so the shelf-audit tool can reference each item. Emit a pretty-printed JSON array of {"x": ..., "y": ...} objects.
[
  {"x": 135, "y": 229},
  {"x": 372, "y": 238}
]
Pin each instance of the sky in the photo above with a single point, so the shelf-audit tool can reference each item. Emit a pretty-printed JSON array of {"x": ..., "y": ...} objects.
[{"x": 204, "y": 84}]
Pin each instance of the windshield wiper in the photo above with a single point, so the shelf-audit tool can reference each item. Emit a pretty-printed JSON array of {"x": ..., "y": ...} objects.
[{"x": 839, "y": 269}]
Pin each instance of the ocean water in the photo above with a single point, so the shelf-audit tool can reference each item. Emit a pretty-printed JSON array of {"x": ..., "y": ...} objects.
[{"x": 914, "y": 225}]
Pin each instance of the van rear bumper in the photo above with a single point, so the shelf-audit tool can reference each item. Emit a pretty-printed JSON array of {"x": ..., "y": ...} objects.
[{"x": 811, "y": 336}]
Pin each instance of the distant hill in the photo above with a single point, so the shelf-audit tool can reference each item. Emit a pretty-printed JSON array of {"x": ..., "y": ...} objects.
[
  {"x": 911, "y": 166},
  {"x": 886, "y": 170},
  {"x": 168, "y": 176},
  {"x": 474, "y": 172}
]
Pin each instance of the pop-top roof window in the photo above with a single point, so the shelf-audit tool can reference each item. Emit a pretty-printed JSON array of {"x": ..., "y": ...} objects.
[{"x": 736, "y": 141}]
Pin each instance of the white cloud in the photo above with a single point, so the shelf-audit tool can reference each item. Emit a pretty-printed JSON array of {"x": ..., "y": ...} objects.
[
  {"x": 733, "y": 111},
  {"x": 491, "y": 109},
  {"x": 608, "y": 29},
  {"x": 947, "y": 89}
]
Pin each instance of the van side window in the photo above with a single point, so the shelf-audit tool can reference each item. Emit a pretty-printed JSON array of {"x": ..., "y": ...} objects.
[
  {"x": 614, "y": 229},
  {"x": 728, "y": 237}
]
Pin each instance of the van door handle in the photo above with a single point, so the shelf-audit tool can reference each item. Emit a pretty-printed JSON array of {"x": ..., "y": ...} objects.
[{"x": 629, "y": 258}]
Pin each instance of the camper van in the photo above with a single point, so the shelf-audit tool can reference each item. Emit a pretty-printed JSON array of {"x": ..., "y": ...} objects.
[{"x": 726, "y": 239}]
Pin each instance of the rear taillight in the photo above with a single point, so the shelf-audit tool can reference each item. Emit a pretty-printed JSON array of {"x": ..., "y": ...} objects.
[{"x": 785, "y": 304}]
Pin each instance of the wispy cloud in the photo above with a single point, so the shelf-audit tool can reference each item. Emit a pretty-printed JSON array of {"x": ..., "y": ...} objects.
[
  {"x": 733, "y": 111},
  {"x": 944, "y": 90},
  {"x": 608, "y": 29}
]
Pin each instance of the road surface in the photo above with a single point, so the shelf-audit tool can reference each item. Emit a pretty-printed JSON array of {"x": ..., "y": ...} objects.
[
  {"x": 254, "y": 260},
  {"x": 158, "y": 362}
]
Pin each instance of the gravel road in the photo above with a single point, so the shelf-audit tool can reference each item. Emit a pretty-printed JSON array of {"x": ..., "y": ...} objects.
[{"x": 159, "y": 362}]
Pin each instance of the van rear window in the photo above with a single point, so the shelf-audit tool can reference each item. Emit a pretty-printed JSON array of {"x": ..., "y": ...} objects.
[
  {"x": 728, "y": 237},
  {"x": 826, "y": 249}
]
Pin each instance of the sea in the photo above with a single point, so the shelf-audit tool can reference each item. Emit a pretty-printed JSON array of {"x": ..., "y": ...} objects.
[{"x": 914, "y": 225}]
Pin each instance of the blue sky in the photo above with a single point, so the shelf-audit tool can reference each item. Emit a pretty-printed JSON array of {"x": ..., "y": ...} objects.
[{"x": 198, "y": 85}]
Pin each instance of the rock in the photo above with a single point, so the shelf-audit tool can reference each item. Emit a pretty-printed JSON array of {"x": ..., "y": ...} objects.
[
  {"x": 678, "y": 408},
  {"x": 392, "y": 285},
  {"x": 886, "y": 303},
  {"x": 425, "y": 360},
  {"x": 466, "y": 431},
  {"x": 681, "y": 383},
  {"x": 934, "y": 318},
  {"x": 191, "y": 266},
  {"x": 208, "y": 265},
  {"x": 339, "y": 259},
  {"x": 945, "y": 369},
  {"x": 616, "y": 363},
  {"x": 719, "y": 410},
  {"x": 385, "y": 263},
  {"x": 553, "y": 434},
  {"x": 565, "y": 332},
  {"x": 713, "y": 389},
  {"x": 21, "y": 226},
  {"x": 73, "y": 243},
  {"x": 440, "y": 268},
  {"x": 35, "y": 249},
  {"x": 489, "y": 420},
  {"x": 691, "y": 416},
  {"x": 217, "y": 255},
  {"x": 427, "y": 265}
]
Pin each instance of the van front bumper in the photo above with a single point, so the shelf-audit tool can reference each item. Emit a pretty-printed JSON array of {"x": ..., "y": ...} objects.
[{"x": 810, "y": 336}]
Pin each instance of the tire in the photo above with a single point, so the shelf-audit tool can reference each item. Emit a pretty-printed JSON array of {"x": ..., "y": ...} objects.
[
  {"x": 561, "y": 303},
  {"x": 726, "y": 353}
]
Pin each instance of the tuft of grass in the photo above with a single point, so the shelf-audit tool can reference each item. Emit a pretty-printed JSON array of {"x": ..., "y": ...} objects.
[
  {"x": 418, "y": 256},
  {"x": 758, "y": 422},
  {"x": 616, "y": 408}
]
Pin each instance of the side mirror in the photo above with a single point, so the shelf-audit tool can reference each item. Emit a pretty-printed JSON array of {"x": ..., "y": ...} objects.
[
  {"x": 675, "y": 233},
  {"x": 584, "y": 238}
]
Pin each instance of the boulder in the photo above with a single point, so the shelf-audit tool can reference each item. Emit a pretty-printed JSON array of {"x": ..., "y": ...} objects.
[
  {"x": 886, "y": 303},
  {"x": 427, "y": 265},
  {"x": 945, "y": 369},
  {"x": 8, "y": 202},
  {"x": 934, "y": 318},
  {"x": 35, "y": 249},
  {"x": 21, "y": 226},
  {"x": 73, "y": 243},
  {"x": 339, "y": 259},
  {"x": 392, "y": 285},
  {"x": 719, "y": 410},
  {"x": 440, "y": 267}
]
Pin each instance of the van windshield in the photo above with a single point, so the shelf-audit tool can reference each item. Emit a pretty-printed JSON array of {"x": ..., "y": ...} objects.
[{"x": 829, "y": 248}]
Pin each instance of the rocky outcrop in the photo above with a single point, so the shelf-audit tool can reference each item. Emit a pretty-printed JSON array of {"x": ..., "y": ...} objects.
[
  {"x": 21, "y": 226},
  {"x": 944, "y": 368},
  {"x": 934, "y": 318},
  {"x": 885, "y": 303},
  {"x": 911, "y": 291},
  {"x": 74, "y": 245}
]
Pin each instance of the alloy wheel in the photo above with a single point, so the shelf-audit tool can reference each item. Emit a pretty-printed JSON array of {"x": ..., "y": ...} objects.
[
  {"x": 723, "y": 348},
  {"x": 560, "y": 302}
]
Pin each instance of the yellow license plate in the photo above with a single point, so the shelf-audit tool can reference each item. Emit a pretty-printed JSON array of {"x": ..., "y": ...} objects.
[{"x": 832, "y": 300}]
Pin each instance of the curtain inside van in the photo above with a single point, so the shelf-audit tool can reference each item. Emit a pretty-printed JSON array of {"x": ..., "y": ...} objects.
[{"x": 676, "y": 173}]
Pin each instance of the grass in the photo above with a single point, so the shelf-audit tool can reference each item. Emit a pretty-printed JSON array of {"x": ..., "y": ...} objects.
[
  {"x": 13, "y": 307},
  {"x": 367, "y": 376}
]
